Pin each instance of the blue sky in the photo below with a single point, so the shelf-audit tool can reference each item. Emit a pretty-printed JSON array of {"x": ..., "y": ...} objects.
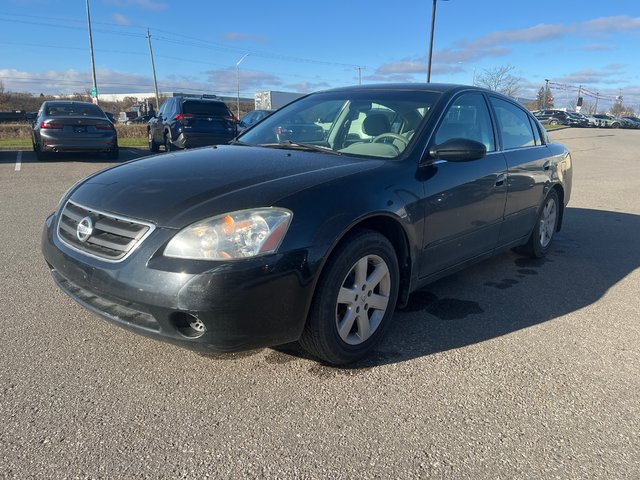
[{"x": 308, "y": 45}]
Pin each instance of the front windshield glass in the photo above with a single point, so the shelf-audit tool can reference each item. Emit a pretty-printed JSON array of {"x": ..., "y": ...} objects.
[{"x": 374, "y": 123}]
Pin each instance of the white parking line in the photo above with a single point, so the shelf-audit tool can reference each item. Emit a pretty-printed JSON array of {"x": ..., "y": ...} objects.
[{"x": 19, "y": 161}]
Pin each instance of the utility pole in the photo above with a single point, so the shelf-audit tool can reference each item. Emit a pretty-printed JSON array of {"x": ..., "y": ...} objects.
[
  {"x": 359, "y": 68},
  {"x": 433, "y": 25},
  {"x": 238, "y": 82},
  {"x": 153, "y": 68},
  {"x": 94, "y": 91}
]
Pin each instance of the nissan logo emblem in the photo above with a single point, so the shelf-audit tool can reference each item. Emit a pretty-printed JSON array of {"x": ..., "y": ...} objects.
[{"x": 84, "y": 229}]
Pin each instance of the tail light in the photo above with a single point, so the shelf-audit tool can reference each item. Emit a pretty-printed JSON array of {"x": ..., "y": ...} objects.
[
  {"x": 184, "y": 117},
  {"x": 51, "y": 126},
  {"x": 104, "y": 126}
]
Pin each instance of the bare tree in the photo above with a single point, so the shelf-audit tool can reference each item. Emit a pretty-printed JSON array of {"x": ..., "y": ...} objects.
[{"x": 500, "y": 79}]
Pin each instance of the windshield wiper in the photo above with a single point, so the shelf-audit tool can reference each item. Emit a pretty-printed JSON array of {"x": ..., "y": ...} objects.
[
  {"x": 304, "y": 146},
  {"x": 238, "y": 142}
]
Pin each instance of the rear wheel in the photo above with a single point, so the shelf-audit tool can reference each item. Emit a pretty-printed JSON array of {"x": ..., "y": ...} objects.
[
  {"x": 354, "y": 300},
  {"x": 153, "y": 145},
  {"x": 113, "y": 154},
  {"x": 553, "y": 122},
  {"x": 545, "y": 229},
  {"x": 40, "y": 155}
]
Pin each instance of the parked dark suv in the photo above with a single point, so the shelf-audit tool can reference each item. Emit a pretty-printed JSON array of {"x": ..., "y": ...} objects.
[
  {"x": 552, "y": 117},
  {"x": 187, "y": 122}
]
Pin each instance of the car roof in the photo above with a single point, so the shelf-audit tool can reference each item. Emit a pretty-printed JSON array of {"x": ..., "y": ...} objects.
[
  {"x": 185, "y": 98},
  {"x": 67, "y": 102},
  {"x": 424, "y": 87}
]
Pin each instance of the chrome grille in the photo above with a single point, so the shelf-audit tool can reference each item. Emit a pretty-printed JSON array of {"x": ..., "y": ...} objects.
[{"x": 112, "y": 238}]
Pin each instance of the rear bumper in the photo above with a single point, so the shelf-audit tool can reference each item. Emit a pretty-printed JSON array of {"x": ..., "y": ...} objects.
[
  {"x": 194, "y": 140},
  {"x": 64, "y": 143}
]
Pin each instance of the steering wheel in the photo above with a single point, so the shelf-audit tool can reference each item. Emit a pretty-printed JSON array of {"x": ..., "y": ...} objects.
[{"x": 395, "y": 136}]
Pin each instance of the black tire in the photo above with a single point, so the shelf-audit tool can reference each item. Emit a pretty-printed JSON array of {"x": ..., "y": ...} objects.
[
  {"x": 553, "y": 122},
  {"x": 321, "y": 336},
  {"x": 113, "y": 154},
  {"x": 168, "y": 146},
  {"x": 615, "y": 125},
  {"x": 153, "y": 145},
  {"x": 545, "y": 228},
  {"x": 40, "y": 155}
]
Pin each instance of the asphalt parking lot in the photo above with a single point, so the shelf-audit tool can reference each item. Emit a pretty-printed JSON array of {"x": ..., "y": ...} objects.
[{"x": 511, "y": 369}]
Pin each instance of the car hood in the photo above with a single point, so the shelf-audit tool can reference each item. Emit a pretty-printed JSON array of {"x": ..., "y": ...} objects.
[{"x": 176, "y": 189}]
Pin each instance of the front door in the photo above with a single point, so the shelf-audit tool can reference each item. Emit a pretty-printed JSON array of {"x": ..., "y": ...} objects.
[{"x": 464, "y": 200}]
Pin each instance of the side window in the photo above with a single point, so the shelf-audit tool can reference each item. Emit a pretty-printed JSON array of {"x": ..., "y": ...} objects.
[
  {"x": 163, "y": 108},
  {"x": 468, "y": 117},
  {"x": 536, "y": 132},
  {"x": 514, "y": 125}
]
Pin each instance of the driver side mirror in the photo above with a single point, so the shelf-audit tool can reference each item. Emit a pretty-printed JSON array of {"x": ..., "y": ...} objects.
[{"x": 458, "y": 150}]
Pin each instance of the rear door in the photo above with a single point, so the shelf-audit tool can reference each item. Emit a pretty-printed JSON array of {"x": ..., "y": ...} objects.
[{"x": 528, "y": 165}]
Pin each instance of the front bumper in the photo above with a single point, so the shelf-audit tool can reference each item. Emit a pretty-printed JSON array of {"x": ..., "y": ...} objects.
[{"x": 241, "y": 305}]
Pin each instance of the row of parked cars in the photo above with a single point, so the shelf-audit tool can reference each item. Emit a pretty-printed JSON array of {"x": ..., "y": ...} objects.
[
  {"x": 181, "y": 122},
  {"x": 576, "y": 119}
]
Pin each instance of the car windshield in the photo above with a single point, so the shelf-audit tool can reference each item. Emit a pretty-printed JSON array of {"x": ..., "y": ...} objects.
[
  {"x": 372, "y": 123},
  {"x": 74, "y": 110}
]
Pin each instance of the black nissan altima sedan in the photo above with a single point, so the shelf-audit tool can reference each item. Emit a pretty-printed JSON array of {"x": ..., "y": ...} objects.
[{"x": 315, "y": 224}]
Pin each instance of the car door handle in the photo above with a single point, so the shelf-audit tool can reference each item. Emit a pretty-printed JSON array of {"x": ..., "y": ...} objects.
[{"x": 500, "y": 179}]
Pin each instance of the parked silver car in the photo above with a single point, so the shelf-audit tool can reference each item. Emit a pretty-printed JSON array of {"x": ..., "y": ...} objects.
[{"x": 71, "y": 126}]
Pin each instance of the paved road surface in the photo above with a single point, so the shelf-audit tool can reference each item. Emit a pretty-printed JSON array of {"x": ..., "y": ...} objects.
[{"x": 511, "y": 369}]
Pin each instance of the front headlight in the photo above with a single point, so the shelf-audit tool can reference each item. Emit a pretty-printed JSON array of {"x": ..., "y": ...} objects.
[{"x": 235, "y": 235}]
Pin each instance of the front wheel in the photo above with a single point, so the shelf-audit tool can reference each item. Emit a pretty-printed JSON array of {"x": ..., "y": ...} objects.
[
  {"x": 153, "y": 145},
  {"x": 545, "y": 229},
  {"x": 354, "y": 300},
  {"x": 168, "y": 146}
]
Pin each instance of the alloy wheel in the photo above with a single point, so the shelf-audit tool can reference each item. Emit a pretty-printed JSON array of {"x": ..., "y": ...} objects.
[
  {"x": 363, "y": 299},
  {"x": 548, "y": 221}
]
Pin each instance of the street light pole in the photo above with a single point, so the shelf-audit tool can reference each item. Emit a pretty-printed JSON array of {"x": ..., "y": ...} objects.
[
  {"x": 238, "y": 83},
  {"x": 433, "y": 25},
  {"x": 93, "y": 64}
]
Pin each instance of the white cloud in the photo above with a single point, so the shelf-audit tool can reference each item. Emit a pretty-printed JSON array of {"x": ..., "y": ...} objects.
[
  {"x": 597, "y": 47},
  {"x": 145, "y": 4},
  {"x": 306, "y": 87},
  {"x": 620, "y": 23},
  {"x": 224, "y": 80},
  {"x": 55, "y": 82},
  {"x": 120, "y": 19},
  {"x": 243, "y": 37}
]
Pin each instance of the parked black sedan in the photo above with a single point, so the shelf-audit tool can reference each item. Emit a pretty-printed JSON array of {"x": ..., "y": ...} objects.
[
  {"x": 71, "y": 126},
  {"x": 266, "y": 242}
]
